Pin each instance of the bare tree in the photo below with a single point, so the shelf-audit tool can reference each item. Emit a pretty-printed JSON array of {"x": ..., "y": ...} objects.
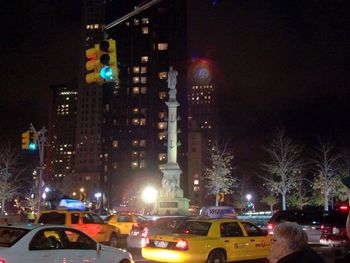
[
  {"x": 283, "y": 166},
  {"x": 326, "y": 172},
  {"x": 218, "y": 174},
  {"x": 9, "y": 174}
]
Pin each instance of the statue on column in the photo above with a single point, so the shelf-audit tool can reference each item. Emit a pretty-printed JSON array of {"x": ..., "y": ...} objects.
[{"x": 172, "y": 78}]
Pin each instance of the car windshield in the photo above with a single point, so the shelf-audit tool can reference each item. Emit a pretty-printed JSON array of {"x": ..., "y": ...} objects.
[
  {"x": 194, "y": 227},
  {"x": 10, "y": 235}
]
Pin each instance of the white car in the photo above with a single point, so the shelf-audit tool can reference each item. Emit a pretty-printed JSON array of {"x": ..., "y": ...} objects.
[{"x": 53, "y": 243}]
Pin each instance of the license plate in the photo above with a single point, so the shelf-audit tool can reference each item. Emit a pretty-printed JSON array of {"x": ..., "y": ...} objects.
[{"x": 162, "y": 244}]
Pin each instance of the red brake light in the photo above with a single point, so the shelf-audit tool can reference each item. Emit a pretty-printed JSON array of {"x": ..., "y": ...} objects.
[
  {"x": 2, "y": 260},
  {"x": 144, "y": 232},
  {"x": 344, "y": 208},
  {"x": 270, "y": 226},
  {"x": 182, "y": 244}
]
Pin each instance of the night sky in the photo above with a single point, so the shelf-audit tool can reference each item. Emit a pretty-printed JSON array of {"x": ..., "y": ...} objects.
[{"x": 274, "y": 63}]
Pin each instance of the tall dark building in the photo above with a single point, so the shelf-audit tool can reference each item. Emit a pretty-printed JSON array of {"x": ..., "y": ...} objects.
[{"x": 61, "y": 135}]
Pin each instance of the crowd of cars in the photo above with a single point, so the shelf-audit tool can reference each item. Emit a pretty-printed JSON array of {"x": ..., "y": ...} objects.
[{"x": 82, "y": 236}]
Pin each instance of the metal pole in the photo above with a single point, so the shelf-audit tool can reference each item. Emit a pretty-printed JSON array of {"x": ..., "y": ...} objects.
[{"x": 41, "y": 143}]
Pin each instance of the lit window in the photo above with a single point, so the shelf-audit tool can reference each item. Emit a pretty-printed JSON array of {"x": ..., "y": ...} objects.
[
  {"x": 162, "y": 46},
  {"x": 162, "y": 136},
  {"x": 115, "y": 165},
  {"x": 143, "y": 70},
  {"x": 135, "y": 143},
  {"x": 96, "y": 26},
  {"x": 161, "y": 115},
  {"x": 136, "y": 90},
  {"x": 115, "y": 144},
  {"x": 143, "y": 90},
  {"x": 134, "y": 165},
  {"x": 143, "y": 143},
  {"x": 142, "y": 164},
  {"x": 162, "y": 95},
  {"x": 145, "y": 20},
  {"x": 162, "y": 125},
  {"x": 144, "y": 30},
  {"x": 196, "y": 182},
  {"x": 143, "y": 80},
  {"x": 143, "y": 122},
  {"x": 142, "y": 154},
  {"x": 136, "y": 69},
  {"x": 135, "y": 121},
  {"x": 135, "y": 111},
  {"x": 162, "y": 75},
  {"x": 162, "y": 157},
  {"x": 136, "y": 22},
  {"x": 144, "y": 59},
  {"x": 136, "y": 79},
  {"x": 196, "y": 188},
  {"x": 134, "y": 154}
]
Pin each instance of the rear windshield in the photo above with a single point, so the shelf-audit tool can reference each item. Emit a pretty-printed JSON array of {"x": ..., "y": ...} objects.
[
  {"x": 9, "y": 236},
  {"x": 194, "y": 227},
  {"x": 52, "y": 218},
  {"x": 336, "y": 218}
]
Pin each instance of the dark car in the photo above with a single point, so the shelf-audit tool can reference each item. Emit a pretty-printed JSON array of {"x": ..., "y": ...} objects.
[
  {"x": 333, "y": 229},
  {"x": 311, "y": 221}
]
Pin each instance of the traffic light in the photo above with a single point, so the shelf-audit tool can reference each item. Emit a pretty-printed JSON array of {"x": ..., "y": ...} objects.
[
  {"x": 25, "y": 140},
  {"x": 103, "y": 62},
  {"x": 29, "y": 140},
  {"x": 33, "y": 144}
]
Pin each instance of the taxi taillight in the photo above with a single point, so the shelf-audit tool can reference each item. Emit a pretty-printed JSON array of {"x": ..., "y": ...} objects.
[{"x": 182, "y": 245}]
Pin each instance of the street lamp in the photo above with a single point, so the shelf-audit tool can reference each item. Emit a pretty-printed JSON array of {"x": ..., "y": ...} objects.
[
  {"x": 249, "y": 197},
  {"x": 149, "y": 195}
]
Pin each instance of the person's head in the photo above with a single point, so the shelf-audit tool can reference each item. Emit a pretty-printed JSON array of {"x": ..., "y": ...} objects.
[{"x": 288, "y": 237}]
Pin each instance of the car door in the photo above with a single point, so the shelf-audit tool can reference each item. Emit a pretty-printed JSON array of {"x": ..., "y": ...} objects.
[
  {"x": 259, "y": 242},
  {"x": 234, "y": 241},
  {"x": 53, "y": 245}
]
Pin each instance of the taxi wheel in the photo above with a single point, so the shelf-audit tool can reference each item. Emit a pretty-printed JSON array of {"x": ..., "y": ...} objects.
[
  {"x": 216, "y": 256},
  {"x": 113, "y": 240}
]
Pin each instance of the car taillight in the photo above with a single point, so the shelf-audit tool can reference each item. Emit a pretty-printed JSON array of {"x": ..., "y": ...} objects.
[
  {"x": 344, "y": 208},
  {"x": 144, "y": 232},
  {"x": 270, "y": 226},
  {"x": 2, "y": 260},
  {"x": 182, "y": 245}
]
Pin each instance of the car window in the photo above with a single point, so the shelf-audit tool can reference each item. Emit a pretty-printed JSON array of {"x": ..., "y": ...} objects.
[
  {"x": 9, "y": 236},
  {"x": 252, "y": 230},
  {"x": 140, "y": 218},
  {"x": 231, "y": 229},
  {"x": 46, "y": 239},
  {"x": 123, "y": 218},
  {"x": 74, "y": 217},
  {"x": 287, "y": 216},
  {"x": 96, "y": 219},
  {"x": 194, "y": 227},
  {"x": 52, "y": 218},
  {"x": 78, "y": 240}
]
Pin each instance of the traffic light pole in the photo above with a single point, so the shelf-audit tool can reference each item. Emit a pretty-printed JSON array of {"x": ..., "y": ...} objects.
[{"x": 41, "y": 144}]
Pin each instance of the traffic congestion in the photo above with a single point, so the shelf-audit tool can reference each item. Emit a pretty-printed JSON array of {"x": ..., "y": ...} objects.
[{"x": 216, "y": 235}]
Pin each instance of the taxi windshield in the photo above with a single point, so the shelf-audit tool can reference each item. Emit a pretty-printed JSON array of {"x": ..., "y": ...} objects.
[
  {"x": 194, "y": 227},
  {"x": 10, "y": 235}
]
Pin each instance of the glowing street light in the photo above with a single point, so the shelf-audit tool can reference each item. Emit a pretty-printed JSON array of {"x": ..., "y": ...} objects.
[
  {"x": 249, "y": 197},
  {"x": 98, "y": 195},
  {"x": 149, "y": 195}
]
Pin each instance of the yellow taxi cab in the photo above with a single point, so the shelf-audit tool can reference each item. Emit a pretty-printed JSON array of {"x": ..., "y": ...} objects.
[
  {"x": 124, "y": 221},
  {"x": 208, "y": 241},
  {"x": 86, "y": 221}
]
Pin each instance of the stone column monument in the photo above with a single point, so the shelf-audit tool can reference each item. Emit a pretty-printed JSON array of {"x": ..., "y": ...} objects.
[{"x": 171, "y": 199}]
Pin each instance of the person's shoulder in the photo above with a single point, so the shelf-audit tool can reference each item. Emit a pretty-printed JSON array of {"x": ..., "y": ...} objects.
[{"x": 310, "y": 256}]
